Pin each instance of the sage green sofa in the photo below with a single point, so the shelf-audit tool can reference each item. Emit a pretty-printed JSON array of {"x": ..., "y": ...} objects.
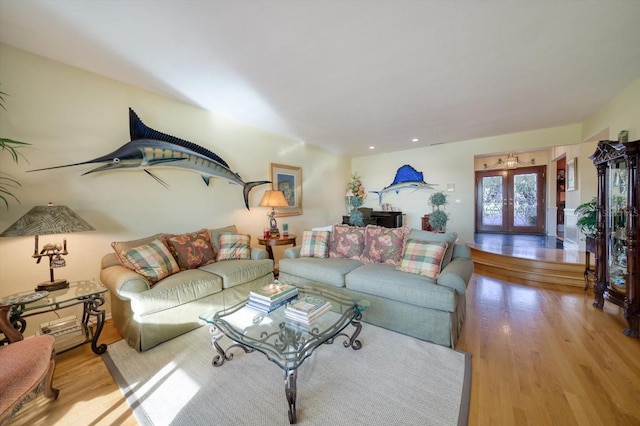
[
  {"x": 147, "y": 315},
  {"x": 408, "y": 303}
]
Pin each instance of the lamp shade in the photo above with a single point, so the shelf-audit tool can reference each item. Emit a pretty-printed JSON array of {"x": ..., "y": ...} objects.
[
  {"x": 50, "y": 219},
  {"x": 273, "y": 199}
]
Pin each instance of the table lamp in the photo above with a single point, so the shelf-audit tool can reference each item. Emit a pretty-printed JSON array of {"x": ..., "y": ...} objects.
[
  {"x": 45, "y": 220},
  {"x": 273, "y": 199}
]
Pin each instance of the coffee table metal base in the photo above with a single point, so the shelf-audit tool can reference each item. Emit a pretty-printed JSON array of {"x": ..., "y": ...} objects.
[
  {"x": 223, "y": 355},
  {"x": 290, "y": 376}
]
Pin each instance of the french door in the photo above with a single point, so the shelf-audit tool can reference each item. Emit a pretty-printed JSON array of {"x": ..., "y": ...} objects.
[{"x": 511, "y": 201}]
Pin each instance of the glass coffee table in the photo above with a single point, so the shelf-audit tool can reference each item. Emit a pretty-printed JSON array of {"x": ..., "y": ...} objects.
[{"x": 285, "y": 342}]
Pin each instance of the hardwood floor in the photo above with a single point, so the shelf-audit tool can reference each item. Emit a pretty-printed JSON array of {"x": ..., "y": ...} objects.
[
  {"x": 547, "y": 357},
  {"x": 88, "y": 394},
  {"x": 539, "y": 357}
]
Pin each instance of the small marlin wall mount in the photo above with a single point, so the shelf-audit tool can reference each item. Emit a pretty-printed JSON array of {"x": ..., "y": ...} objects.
[
  {"x": 406, "y": 178},
  {"x": 150, "y": 148}
]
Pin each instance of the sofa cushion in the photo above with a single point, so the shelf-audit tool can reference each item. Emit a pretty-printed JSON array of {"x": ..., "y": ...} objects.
[
  {"x": 215, "y": 234},
  {"x": 191, "y": 250},
  {"x": 153, "y": 261},
  {"x": 423, "y": 258},
  {"x": 383, "y": 245},
  {"x": 387, "y": 282},
  {"x": 450, "y": 238},
  {"x": 329, "y": 271},
  {"x": 234, "y": 246},
  {"x": 178, "y": 289},
  {"x": 315, "y": 244},
  {"x": 121, "y": 247},
  {"x": 347, "y": 242},
  {"x": 236, "y": 272}
]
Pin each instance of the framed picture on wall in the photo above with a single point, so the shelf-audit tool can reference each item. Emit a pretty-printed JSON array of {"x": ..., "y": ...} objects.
[
  {"x": 288, "y": 179},
  {"x": 571, "y": 174}
]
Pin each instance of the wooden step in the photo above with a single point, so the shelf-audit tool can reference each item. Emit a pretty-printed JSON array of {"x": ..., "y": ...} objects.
[{"x": 536, "y": 272}]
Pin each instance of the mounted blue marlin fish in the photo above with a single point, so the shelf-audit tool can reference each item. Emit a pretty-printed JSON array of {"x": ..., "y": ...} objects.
[
  {"x": 406, "y": 178},
  {"x": 151, "y": 148}
]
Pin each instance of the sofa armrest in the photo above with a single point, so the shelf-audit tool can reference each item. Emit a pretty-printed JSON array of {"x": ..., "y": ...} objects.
[
  {"x": 258, "y": 253},
  {"x": 292, "y": 253},
  {"x": 461, "y": 251},
  {"x": 456, "y": 274},
  {"x": 121, "y": 281}
]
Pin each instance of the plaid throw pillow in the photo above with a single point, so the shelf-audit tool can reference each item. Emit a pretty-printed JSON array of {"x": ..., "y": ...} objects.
[
  {"x": 346, "y": 242},
  {"x": 153, "y": 261},
  {"x": 315, "y": 244},
  {"x": 191, "y": 250},
  {"x": 423, "y": 257},
  {"x": 234, "y": 246},
  {"x": 122, "y": 247}
]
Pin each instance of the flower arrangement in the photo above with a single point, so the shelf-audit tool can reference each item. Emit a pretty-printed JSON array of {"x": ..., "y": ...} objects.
[
  {"x": 356, "y": 194},
  {"x": 355, "y": 188}
]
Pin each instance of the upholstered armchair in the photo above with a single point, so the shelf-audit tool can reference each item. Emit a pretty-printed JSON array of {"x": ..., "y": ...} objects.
[{"x": 26, "y": 368}]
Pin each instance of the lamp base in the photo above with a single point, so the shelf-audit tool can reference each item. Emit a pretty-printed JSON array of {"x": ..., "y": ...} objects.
[
  {"x": 274, "y": 232},
  {"x": 54, "y": 285}
]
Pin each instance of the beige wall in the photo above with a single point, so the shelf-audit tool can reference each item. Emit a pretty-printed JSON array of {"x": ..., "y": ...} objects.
[
  {"x": 69, "y": 115},
  {"x": 453, "y": 163},
  {"x": 621, "y": 113}
]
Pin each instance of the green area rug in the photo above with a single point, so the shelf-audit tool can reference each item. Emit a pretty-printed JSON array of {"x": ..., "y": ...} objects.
[{"x": 393, "y": 379}]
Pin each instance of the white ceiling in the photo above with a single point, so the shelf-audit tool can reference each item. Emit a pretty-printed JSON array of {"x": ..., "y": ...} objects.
[{"x": 346, "y": 75}]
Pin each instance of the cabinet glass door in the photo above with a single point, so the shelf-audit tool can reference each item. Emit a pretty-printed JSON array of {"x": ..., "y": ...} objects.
[{"x": 616, "y": 231}]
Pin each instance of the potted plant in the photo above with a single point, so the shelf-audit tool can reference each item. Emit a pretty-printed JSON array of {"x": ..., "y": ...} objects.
[
  {"x": 438, "y": 218},
  {"x": 11, "y": 146},
  {"x": 586, "y": 213}
]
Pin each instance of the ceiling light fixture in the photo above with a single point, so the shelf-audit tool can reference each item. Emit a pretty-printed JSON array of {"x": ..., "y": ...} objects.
[
  {"x": 415, "y": 140},
  {"x": 511, "y": 162},
  {"x": 372, "y": 147}
]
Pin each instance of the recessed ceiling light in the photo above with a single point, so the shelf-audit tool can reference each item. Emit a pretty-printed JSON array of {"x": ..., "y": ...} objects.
[
  {"x": 415, "y": 140},
  {"x": 372, "y": 147}
]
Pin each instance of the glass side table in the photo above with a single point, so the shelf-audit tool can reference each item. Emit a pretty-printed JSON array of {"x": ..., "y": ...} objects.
[{"x": 86, "y": 292}]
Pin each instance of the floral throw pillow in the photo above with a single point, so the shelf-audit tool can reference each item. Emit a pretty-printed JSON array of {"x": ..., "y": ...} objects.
[
  {"x": 191, "y": 250},
  {"x": 153, "y": 261},
  {"x": 346, "y": 242},
  {"x": 234, "y": 246},
  {"x": 423, "y": 257},
  {"x": 383, "y": 245},
  {"x": 315, "y": 244}
]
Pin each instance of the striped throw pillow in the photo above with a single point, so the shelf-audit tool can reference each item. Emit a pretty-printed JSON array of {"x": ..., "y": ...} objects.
[
  {"x": 234, "y": 246},
  {"x": 423, "y": 257},
  {"x": 315, "y": 244},
  {"x": 153, "y": 261}
]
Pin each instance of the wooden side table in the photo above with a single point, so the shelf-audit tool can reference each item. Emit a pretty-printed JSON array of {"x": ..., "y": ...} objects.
[{"x": 269, "y": 243}]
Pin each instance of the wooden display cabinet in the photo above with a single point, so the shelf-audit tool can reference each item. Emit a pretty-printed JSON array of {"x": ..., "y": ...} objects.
[{"x": 617, "y": 225}]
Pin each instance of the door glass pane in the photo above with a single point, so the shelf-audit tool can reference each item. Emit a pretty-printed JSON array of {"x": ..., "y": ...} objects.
[
  {"x": 616, "y": 229},
  {"x": 525, "y": 199},
  {"x": 492, "y": 211}
]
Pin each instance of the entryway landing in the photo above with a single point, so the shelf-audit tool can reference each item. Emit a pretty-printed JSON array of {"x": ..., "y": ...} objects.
[{"x": 527, "y": 259}]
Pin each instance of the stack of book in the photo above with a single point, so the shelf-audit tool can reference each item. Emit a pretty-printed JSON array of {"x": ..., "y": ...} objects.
[
  {"x": 306, "y": 310},
  {"x": 272, "y": 296}
]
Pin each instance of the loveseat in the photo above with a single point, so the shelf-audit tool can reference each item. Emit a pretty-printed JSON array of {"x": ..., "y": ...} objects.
[
  {"x": 415, "y": 280},
  {"x": 160, "y": 284}
]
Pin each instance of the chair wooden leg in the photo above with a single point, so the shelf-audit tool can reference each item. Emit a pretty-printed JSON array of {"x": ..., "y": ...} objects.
[{"x": 49, "y": 391}]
